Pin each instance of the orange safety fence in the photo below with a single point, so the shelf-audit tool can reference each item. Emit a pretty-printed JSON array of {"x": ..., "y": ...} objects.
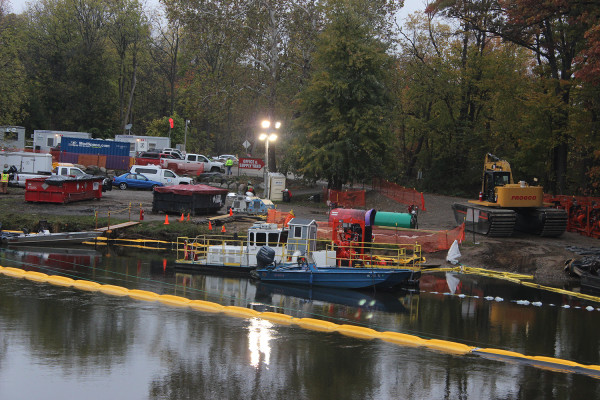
[
  {"x": 346, "y": 198},
  {"x": 584, "y": 213},
  {"x": 430, "y": 241},
  {"x": 399, "y": 193},
  {"x": 276, "y": 217}
]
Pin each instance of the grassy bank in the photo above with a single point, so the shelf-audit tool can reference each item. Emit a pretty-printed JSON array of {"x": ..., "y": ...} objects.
[{"x": 72, "y": 223}]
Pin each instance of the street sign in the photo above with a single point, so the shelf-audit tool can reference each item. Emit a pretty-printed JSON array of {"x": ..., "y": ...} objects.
[
  {"x": 251, "y": 163},
  {"x": 246, "y": 144}
]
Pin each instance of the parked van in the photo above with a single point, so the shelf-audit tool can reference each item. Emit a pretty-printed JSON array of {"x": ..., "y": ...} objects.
[{"x": 164, "y": 176}]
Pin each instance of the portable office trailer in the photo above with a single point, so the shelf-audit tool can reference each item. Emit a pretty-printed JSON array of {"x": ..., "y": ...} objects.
[
  {"x": 12, "y": 137},
  {"x": 44, "y": 140},
  {"x": 25, "y": 161},
  {"x": 144, "y": 143}
]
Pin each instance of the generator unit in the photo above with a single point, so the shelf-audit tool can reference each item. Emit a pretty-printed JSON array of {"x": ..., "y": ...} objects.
[{"x": 252, "y": 205}]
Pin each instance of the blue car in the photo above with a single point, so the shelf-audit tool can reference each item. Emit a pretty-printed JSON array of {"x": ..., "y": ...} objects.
[{"x": 134, "y": 181}]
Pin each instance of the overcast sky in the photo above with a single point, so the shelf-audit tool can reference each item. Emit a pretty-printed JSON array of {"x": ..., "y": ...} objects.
[{"x": 18, "y": 6}]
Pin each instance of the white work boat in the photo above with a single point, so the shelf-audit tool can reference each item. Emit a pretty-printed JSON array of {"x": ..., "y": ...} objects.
[
  {"x": 231, "y": 255},
  {"x": 296, "y": 243}
]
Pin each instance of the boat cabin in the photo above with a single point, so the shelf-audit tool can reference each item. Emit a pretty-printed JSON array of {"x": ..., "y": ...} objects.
[
  {"x": 299, "y": 238},
  {"x": 263, "y": 234},
  {"x": 302, "y": 236}
]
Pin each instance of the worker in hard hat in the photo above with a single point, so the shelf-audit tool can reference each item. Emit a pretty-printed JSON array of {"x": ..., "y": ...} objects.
[
  {"x": 250, "y": 188},
  {"x": 4, "y": 180},
  {"x": 229, "y": 164}
]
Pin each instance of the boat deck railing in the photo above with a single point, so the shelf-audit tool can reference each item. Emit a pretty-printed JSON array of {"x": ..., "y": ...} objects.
[
  {"x": 357, "y": 254},
  {"x": 378, "y": 255},
  {"x": 236, "y": 250}
]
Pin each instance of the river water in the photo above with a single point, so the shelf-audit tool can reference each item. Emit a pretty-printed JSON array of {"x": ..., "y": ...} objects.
[{"x": 59, "y": 343}]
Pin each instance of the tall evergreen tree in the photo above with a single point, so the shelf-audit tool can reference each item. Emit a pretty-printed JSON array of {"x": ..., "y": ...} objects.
[{"x": 342, "y": 125}]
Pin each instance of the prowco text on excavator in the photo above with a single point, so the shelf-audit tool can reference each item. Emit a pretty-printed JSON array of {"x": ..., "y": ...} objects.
[{"x": 504, "y": 206}]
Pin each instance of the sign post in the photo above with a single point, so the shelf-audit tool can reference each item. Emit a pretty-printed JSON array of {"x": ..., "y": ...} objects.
[{"x": 246, "y": 144}]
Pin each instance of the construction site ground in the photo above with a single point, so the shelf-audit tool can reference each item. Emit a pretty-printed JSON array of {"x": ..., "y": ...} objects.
[{"x": 542, "y": 257}]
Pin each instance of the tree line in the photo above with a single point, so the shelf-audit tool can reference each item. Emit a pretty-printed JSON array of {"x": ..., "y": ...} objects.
[{"x": 359, "y": 93}]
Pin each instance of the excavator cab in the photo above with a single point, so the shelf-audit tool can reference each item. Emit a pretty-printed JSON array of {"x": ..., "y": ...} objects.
[{"x": 492, "y": 180}]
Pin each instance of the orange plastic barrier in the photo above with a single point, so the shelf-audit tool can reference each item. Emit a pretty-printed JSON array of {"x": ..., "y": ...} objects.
[
  {"x": 399, "y": 193},
  {"x": 430, "y": 241},
  {"x": 276, "y": 217},
  {"x": 346, "y": 198}
]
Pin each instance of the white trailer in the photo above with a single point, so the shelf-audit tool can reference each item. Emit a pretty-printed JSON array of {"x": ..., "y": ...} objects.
[
  {"x": 144, "y": 143},
  {"x": 44, "y": 140},
  {"x": 27, "y": 162},
  {"x": 12, "y": 137}
]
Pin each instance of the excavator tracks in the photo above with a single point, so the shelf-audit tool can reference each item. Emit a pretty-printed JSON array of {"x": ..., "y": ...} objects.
[
  {"x": 485, "y": 220},
  {"x": 543, "y": 221},
  {"x": 502, "y": 222}
]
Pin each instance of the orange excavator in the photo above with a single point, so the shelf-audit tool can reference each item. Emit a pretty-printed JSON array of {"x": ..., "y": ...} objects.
[{"x": 505, "y": 206}]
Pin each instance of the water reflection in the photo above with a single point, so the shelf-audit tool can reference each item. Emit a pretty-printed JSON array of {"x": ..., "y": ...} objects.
[
  {"x": 75, "y": 344},
  {"x": 44, "y": 259},
  {"x": 259, "y": 336}
]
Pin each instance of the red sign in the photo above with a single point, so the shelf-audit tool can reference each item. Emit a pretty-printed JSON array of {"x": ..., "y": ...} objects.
[
  {"x": 171, "y": 122},
  {"x": 251, "y": 163}
]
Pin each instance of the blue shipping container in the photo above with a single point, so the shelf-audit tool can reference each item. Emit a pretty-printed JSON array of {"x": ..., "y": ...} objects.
[{"x": 116, "y": 153}]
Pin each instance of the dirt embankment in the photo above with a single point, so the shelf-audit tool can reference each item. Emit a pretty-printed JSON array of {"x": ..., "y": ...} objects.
[{"x": 542, "y": 257}]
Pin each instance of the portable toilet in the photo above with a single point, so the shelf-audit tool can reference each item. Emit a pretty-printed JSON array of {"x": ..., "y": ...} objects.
[{"x": 276, "y": 186}]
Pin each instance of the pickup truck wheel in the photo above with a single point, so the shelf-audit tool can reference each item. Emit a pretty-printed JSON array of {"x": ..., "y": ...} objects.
[
  {"x": 122, "y": 186},
  {"x": 215, "y": 169},
  {"x": 154, "y": 187}
]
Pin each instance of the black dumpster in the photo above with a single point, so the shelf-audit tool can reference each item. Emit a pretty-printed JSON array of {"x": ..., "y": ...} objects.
[{"x": 192, "y": 199}]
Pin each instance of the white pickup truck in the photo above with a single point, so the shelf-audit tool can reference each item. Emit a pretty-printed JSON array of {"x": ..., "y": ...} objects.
[
  {"x": 158, "y": 174},
  {"x": 194, "y": 164},
  {"x": 20, "y": 178}
]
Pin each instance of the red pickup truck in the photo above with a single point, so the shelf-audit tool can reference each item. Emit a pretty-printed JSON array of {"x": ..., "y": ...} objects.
[{"x": 147, "y": 158}]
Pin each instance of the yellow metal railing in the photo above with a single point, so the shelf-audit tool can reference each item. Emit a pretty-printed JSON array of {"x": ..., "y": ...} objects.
[{"x": 378, "y": 255}]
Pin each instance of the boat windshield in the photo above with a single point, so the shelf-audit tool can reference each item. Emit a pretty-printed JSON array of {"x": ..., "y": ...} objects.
[{"x": 270, "y": 239}]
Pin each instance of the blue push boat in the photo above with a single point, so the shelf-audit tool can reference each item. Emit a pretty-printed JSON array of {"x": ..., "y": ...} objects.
[{"x": 334, "y": 277}]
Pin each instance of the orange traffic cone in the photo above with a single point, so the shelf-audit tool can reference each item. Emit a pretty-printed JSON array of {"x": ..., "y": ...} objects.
[
  {"x": 231, "y": 212},
  {"x": 166, "y": 219},
  {"x": 182, "y": 218},
  {"x": 209, "y": 226},
  {"x": 223, "y": 229},
  {"x": 188, "y": 218}
]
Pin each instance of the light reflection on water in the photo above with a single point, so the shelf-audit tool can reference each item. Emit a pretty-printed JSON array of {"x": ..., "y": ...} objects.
[
  {"x": 59, "y": 342},
  {"x": 259, "y": 336}
]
